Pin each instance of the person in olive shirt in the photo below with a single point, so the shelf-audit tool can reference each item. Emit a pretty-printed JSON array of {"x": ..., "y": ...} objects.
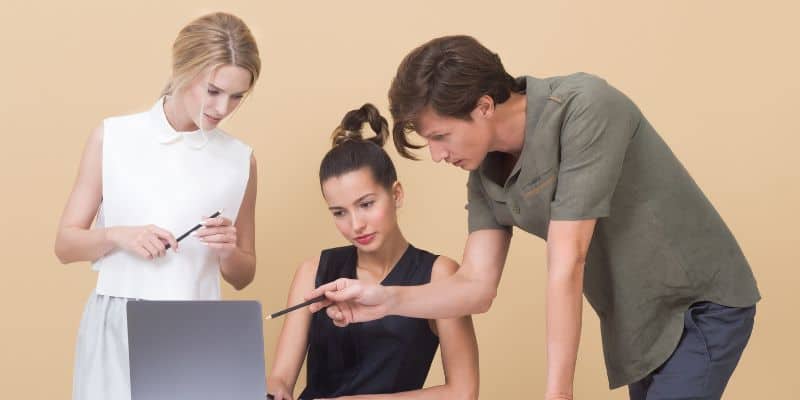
[{"x": 572, "y": 160}]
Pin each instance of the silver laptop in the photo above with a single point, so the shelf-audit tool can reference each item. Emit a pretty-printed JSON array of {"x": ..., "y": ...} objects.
[{"x": 198, "y": 350}]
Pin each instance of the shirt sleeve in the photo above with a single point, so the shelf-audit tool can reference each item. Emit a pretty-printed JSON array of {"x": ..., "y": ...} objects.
[
  {"x": 594, "y": 140},
  {"x": 480, "y": 214}
]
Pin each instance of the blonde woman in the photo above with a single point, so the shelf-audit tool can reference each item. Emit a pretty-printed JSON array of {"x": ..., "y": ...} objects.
[{"x": 146, "y": 178}]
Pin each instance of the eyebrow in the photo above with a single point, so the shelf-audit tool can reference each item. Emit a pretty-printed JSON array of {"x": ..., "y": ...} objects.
[
  {"x": 358, "y": 200},
  {"x": 215, "y": 87},
  {"x": 430, "y": 134}
]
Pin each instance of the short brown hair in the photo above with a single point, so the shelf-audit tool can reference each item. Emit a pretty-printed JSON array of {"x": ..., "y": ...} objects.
[{"x": 448, "y": 74}]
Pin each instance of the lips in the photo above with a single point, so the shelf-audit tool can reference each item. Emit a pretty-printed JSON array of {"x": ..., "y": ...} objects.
[
  {"x": 212, "y": 118},
  {"x": 365, "y": 239}
]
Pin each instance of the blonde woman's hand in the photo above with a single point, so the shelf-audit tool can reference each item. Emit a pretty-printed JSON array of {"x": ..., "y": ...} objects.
[
  {"x": 148, "y": 242},
  {"x": 219, "y": 235}
]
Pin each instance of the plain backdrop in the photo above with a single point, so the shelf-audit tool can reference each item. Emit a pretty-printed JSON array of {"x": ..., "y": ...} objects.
[{"x": 719, "y": 81}]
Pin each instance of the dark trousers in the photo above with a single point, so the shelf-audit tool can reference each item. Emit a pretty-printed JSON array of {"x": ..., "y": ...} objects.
[{"x": 714, "y": 337}]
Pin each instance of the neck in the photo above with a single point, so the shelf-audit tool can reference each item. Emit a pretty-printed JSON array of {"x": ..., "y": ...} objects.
[
  {"x": 380, "y": 262},
  {"x": 177, "y": 118},
  {"x": 509, "y": 125}
]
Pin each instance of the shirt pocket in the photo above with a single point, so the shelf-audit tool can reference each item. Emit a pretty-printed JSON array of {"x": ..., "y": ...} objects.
[{"x": 539, "y": 184}]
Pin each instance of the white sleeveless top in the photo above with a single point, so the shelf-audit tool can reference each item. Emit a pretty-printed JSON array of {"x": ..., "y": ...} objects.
[{"x": 155, "y": 175}]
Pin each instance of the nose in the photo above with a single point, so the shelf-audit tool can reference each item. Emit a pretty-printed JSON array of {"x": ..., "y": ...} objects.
[
  {"x": 357, "y": 223},
  {"x": 438, "y": 153},
  {"x": 221, "y": 106}
]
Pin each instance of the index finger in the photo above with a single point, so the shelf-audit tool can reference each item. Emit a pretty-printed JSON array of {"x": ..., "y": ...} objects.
[
  {"x": 344, "y": 294},
  {"x": 217, "y": 221},
  {"x": 322, "y": 289}
]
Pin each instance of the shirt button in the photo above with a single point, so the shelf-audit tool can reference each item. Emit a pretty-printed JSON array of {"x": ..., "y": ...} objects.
[{"x": 515, "y": 208}]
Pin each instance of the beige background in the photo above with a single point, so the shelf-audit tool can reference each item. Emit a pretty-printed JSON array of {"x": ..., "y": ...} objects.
[{"x": 718, "y": 80}]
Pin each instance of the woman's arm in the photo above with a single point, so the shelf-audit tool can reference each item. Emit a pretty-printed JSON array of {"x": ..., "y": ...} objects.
[
  {"x": 293, "y": 339},
  {"x": 239, "y": 266},
  {"x": 76, "y": 241},
  {"x": 459, "y": 348}
]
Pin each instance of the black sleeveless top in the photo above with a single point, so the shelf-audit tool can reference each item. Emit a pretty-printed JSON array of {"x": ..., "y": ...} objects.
[{"x": 392, "y": 354}]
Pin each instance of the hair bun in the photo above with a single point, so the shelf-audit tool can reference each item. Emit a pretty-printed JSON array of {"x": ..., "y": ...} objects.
[
  {"x": 350, "y": 127},
  {"x": 341, "y": 135}
]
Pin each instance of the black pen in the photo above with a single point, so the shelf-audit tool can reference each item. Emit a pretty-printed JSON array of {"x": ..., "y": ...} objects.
[
  {"x": 196, "y": 227},
  {"x": 295, "y": 307}
]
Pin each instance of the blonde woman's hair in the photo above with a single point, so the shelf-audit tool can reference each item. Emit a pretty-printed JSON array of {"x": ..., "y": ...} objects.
[{"x": 211, "y": 41}]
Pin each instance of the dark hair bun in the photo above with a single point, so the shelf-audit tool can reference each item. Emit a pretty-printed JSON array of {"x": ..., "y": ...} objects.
[{"x": 350, "y": 127}]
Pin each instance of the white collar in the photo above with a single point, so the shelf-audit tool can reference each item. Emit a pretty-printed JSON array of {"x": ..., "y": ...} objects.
[{"x": 166, "y": 134}]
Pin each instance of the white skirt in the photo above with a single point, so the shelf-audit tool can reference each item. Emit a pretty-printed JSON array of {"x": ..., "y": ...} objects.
[{"x": 101, "y": 355}]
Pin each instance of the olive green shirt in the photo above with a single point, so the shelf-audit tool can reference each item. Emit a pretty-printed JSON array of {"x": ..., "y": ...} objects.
[{"x": 658, "y": 245}]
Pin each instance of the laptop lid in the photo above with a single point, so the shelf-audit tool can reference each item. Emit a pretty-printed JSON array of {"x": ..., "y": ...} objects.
[{"x": 198, "y": 350}]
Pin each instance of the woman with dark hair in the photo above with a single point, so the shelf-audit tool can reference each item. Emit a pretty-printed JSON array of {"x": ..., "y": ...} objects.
[
  {"x": 388, "y": 358},
  {"x": 572, "y": 160}
]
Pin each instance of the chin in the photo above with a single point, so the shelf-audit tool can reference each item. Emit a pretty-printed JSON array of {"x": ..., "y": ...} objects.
[
  {"x": 469, "y": 166},
  {"x": 207, "y": 125}
]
